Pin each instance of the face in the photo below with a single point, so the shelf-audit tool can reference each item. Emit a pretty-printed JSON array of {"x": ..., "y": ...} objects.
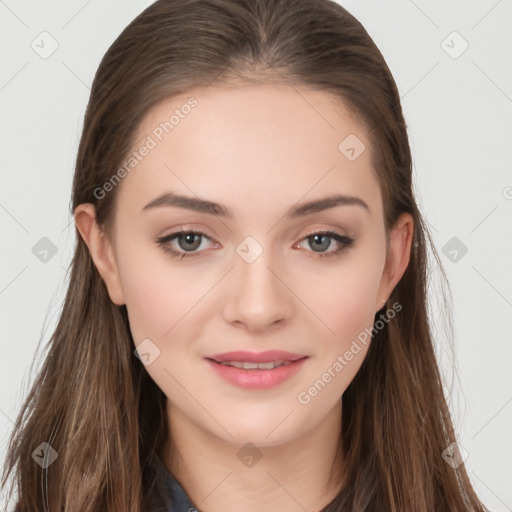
[{"x": 259, "y": 272}]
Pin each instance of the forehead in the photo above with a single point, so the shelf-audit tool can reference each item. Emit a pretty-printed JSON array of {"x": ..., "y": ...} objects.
[{"x": 251, "y": 145}]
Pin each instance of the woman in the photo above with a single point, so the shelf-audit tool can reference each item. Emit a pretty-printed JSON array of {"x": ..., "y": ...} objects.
[{"x": 246, "y": 322}]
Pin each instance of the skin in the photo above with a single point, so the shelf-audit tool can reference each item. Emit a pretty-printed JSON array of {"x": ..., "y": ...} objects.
[{"x": 258, "y": 150}]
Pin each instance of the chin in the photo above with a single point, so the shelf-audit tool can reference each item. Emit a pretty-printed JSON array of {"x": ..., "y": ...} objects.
[{"x": 262, "y": 431}]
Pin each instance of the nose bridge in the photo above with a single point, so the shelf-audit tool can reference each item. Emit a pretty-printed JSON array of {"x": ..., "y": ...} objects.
[{"x": 257, "y": 297}]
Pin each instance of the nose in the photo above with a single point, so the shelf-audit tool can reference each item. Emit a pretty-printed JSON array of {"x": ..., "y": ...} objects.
[{"x": 257, "y": 297}]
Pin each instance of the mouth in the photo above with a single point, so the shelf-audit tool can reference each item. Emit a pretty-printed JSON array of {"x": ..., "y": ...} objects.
[
  {"x": 246, "y": 365},
  {"x": 244, "y": 356},
  {"x": 252, "y": 370}
]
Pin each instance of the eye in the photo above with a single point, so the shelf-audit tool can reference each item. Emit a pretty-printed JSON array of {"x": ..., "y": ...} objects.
[
  {"x": 323, "y": 240},
  {"x": 188, "y": 243}
]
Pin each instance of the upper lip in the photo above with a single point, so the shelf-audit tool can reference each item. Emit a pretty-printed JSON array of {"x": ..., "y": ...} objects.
[{"x": 256, "y": 357}]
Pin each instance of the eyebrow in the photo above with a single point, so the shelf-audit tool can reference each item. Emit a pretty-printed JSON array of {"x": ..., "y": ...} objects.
[{"x": 212, "y": 208}]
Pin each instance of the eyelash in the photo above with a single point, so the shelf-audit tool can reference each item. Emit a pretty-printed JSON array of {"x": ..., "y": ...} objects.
[{"x": 345, "y": 242}]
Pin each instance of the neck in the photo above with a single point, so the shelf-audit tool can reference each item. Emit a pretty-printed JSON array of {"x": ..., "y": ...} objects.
[{"x": 218, "y": 475}]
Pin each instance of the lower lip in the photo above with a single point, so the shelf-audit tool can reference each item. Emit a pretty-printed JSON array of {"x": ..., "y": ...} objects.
[{"x": 257, "y": 379}]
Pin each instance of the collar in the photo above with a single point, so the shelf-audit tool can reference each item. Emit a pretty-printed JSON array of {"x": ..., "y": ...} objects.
[{"x": 176, "y": 499}]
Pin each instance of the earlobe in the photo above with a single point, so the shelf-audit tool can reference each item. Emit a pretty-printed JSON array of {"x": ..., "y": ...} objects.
[
  {"x": 100, "y": 249},
  {"x": 398, "y": 256}
]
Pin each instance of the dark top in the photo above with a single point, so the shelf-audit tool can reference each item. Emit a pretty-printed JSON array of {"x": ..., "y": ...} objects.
[{"x": 174, "y": 497}]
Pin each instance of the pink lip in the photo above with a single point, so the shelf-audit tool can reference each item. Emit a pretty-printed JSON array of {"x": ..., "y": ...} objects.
[
  {"x": 256, "y": 357},
  {"x": 257, "y": 379}
]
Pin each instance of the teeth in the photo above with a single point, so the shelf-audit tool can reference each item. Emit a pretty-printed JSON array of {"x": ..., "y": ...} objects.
[{"x": 256, "y": 366}]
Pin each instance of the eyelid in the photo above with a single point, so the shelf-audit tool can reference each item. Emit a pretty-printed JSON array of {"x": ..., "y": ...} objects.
[
  {"x": 164, "y": 241},
  {"x": 344, "y": 240}
]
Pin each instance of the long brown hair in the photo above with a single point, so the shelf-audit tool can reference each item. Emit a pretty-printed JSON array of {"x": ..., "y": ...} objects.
[{"x": 95, "y": 404}]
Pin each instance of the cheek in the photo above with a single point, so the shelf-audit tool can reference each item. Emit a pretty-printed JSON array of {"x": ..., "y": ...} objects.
[
  {"x": 157, "y": 296},
  {"x": 347, "y": 308},
  {"x": 346, "y": 301}
]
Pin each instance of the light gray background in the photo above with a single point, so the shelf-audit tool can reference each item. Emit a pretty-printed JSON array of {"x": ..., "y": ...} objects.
[{"x": 458, "y": 108}]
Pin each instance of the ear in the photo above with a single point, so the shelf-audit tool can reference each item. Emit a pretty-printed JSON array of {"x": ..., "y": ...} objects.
[
  {"x": 101, "y": 250},
  {"x": 397, "y": 258}
]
